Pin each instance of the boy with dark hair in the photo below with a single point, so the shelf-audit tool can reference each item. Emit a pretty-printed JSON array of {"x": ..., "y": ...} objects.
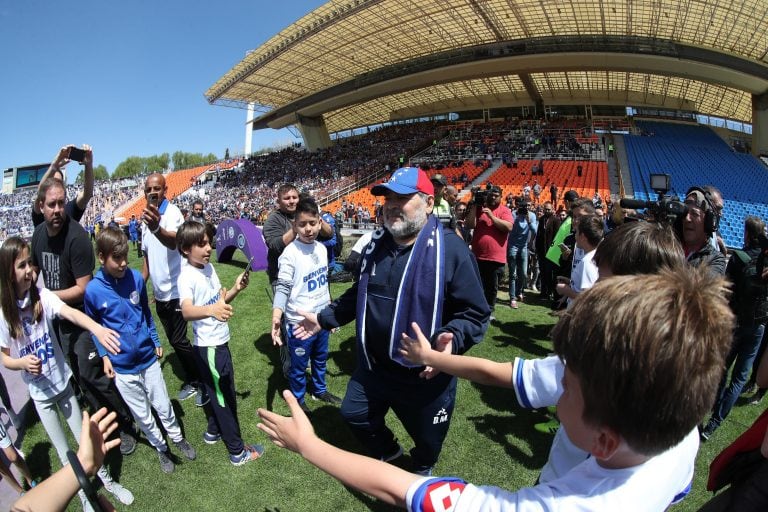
[
  {"x": 117, "y": 299},
  {"x": 302, "y": 284},
  {"x": 620, "y": 399},
  {"x": 589, "y": 233},
  {"x": 206, "y": 304}
]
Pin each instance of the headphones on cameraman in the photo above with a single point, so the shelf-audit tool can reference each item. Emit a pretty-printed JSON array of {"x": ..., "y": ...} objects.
[{"x": 711, "y": 219}]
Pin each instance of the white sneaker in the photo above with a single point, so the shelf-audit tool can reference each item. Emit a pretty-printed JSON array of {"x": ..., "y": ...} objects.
[
  {"x": 86, "y": 505},
  {"x": 122, "y": 494}
]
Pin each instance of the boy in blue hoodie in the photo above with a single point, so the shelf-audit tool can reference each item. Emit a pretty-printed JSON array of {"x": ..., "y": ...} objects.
[{"x": 117, "y": 298}]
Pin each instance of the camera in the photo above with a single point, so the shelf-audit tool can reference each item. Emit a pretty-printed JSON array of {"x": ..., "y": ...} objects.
[
  {"x": 76, "y": 154},
  {"x": 522, "y": 209},
  {"x": 480, "y": 196},
  {"x": 666, "y": 209}
]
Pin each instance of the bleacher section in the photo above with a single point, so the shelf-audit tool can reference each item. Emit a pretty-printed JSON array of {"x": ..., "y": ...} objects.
[
  {"x": 452, "y": 175},
  {"x": 695, "y": 155},
  {"x": 563, "y": 173},
  {"x": 177, "y": 182}
]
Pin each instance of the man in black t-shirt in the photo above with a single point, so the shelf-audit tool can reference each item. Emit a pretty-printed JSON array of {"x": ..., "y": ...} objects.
[{"x": 62, "y": 251}]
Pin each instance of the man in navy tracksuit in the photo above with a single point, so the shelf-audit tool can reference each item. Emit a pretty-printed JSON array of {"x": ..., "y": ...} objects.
[{"x": 412, "y": 271}]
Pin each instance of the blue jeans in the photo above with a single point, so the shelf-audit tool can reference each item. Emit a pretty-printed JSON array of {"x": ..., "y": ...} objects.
[
  {"x": 746, "y": 342},
  {"x": 312, "y": 350},
  {"x": 517, "y": 259}
]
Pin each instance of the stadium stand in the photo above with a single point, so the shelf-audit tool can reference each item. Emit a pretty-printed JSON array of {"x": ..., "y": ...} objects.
[{"x": 695, "y": 155}]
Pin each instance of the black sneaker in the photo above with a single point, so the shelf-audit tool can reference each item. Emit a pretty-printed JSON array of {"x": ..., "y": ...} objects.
[
  {"x": 166, "y": 464},
  {"x": 396, "y": 453},
  {"x": 127, "y": 443},
  {"x": 708, "y": 430},
  {"x": 186, "y": 448},
  {"x": 306, "y": 409},
  {"x": 202, "y": 398},
  {"x": 211, "y": 438},
  {"x": 328, "y": 398},
  {"x": 187, "y": 391}
]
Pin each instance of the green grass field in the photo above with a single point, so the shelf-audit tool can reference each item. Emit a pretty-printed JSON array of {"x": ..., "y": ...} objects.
[{"x": 491, "y": 441}]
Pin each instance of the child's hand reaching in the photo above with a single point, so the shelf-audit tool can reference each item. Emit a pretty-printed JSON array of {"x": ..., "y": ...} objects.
[
  {"x": 287, "y": 432},
  {"x": 108, "y": 338},
  {"x": 32, "y": 364},
  {"x": 415, "y": 350}
]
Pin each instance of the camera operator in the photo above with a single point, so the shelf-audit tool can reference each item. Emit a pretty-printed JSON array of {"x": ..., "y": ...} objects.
[
  {"x": 492, "y": 222},
  {"x": 716, "y": 240},
  {"x": 695, "y": 228}
]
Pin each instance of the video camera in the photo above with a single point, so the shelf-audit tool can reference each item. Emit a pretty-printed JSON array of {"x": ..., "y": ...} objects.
[
  {"x": 480, "y": 196},
  {"x": 666, "y": 209}
]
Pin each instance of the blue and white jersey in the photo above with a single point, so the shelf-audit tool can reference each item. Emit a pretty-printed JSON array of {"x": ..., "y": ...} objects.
[{"x": 54, "y": 373}]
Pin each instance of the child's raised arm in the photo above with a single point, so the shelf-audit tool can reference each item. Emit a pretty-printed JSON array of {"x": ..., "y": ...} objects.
[
  {"x": 475, "y": 369},
  {"x": 379, "y": 479},
  {"x": 107, "y": 337},
  {"x": 241, "y": 283}
]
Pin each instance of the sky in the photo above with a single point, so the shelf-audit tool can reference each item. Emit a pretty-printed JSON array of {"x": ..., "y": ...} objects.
[{"x": 128, "y": 77}]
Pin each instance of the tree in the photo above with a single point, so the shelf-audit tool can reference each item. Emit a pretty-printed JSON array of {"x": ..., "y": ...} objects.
[
  {"x": 99, "y": 173},
  {"x": 131, "y": 166}
]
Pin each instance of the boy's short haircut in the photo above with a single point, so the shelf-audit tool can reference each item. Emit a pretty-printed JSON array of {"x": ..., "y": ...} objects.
[
  {"x": 190, "y": 233},
  {"x": 640, "y": 248},
  {"x": 307, "y": 205},
  {"x": 112, "y": 242},
  {"x": 286, "y": 187},
  {"x": 753, "y": 228},
  {"x": 591, "y": 226},
  {"x": 583, "y": 204},
  {"x": 649, "y": 352}
]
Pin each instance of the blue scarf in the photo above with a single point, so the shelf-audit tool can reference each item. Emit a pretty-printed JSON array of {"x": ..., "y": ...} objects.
[{"x": 420, "y": 294}]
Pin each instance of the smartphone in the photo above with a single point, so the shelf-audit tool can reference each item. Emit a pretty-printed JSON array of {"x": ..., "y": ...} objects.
[
  {"x": 153, "y": 198},
  {"x": 76, "y": 154},
  {"x": 249, "y": 266},
  {"x": 564, "y": 247}
]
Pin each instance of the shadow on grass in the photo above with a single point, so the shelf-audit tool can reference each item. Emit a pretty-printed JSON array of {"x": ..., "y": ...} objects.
[
  {"x": 39, "y": 460},
  {"x": 496, "y": 428},
  {"x": 525, "y": 336},
  {"x": 344, "y": 358},
  {"x": 275, "y": 380}
]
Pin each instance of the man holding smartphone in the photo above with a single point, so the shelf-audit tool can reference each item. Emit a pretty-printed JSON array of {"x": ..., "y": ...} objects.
[
  {"x": 162, "y": 262},
  {"x": 75, "y": 208}
]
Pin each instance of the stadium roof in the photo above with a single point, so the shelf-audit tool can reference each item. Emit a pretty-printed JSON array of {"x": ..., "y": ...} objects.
[{"x": 362, "y": 62}]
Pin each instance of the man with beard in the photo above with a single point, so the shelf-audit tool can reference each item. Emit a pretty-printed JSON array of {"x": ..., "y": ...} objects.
[
  {"x": 413, "y": 271},
  {"x": 62, "y": 251},
  {"x": 492, "y": 222}
]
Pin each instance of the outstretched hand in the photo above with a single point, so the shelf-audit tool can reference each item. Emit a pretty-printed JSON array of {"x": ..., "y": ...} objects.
[
  {"x": 415, "y": 350},
  {"x": 290, "y": 432},
  {"x": 307, "y": 327},
  {"x": 93, "y": 445}
]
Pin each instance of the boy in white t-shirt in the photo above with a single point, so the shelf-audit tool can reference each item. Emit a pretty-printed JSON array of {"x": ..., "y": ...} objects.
[
  {"x": 206, "y": 304},
  {"x": 302, "y": 287},
  {"x": 624, "y": 345},
  {"x": 589, "y": 233}
]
